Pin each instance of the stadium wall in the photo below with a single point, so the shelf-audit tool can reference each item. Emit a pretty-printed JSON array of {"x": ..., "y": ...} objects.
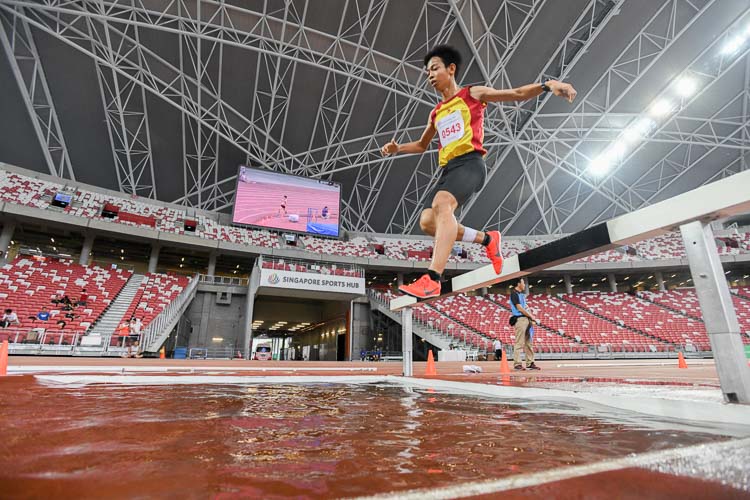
[{"x": 209, "y": 319}]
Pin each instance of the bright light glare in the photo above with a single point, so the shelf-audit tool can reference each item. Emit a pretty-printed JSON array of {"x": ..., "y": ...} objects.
[
  {"x": 644, "y": 126},
  {"x": 686, "y": 86},
  {"x": 639, "y": 129},
  {"x": 733, "y": 45},
  {"x": 618, "y": 150},
  {"x": 600, "y": 165},
  {"x": 661, "y": 108}
]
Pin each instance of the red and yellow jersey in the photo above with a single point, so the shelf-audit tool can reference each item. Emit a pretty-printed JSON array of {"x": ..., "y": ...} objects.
[{"x": 459, "y": 123}]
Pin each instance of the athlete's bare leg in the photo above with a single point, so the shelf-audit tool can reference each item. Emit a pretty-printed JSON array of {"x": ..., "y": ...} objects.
[
  {"x": 446, "y": 229},
  {"x": 427, "y": 223}
]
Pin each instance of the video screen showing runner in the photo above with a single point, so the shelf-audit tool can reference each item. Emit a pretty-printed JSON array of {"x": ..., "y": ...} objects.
[{"x": 279, "y": 201}]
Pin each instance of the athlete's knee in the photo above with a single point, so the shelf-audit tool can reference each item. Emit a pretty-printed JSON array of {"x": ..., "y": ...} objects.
[
  {"x": 444, "y": 202},
  {"x": 427, "y": 221}
]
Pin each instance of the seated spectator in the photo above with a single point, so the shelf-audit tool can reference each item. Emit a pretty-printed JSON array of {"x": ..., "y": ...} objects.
[
  {"x": 43, "y": 315},
  {"x": 9, "y": 318},
  {"x": 83, "y": 298},
  {"x": 134, "y": 350},
  {"x": 66, "y": 304}
]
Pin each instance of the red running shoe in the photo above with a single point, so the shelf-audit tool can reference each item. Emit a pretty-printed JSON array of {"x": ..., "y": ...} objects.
[
  {"x": 493, "y": 251},
  {"x": 423, "y": 288}
]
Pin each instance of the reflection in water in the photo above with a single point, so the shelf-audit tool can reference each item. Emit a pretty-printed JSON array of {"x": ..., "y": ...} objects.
[{"x": 290, "y": 440}]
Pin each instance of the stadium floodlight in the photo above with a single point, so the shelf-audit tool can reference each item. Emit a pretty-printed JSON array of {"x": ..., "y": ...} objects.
[
  {"x": 601, "y": 164},
  {"x": 661, "y": 108},
  {"x": 685, "y": 86},
  {"x": 733, "y": 44},
  {"x": 638, "y": 130},
  {"x": 618, "y": 150}
]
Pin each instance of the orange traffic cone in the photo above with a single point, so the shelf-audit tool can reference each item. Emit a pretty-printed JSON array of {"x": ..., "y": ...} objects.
[
  {"x": 681, "y": 361},
  {"x": 162, "y": 353},
  {"x": 431, "y": 370},
  {"x": 504, "y": 368},
  {"x": 4, "y": 358}
]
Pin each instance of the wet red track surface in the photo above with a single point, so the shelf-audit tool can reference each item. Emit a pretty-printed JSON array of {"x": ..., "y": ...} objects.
[
  {"x": 625, "y": 484},
  {"x": 322, "y": 441}
]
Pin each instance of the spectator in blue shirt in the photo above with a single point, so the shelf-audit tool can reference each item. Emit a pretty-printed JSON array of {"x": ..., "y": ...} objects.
[{"x": 43, "y": 315}]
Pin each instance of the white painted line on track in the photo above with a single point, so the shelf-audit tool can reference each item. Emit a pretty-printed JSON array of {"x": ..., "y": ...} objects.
[
  {"x": 560, "y": 474},
  {"x": 625, "y": 363},
  {"x": 149, "y": 380},
  {"x": 175, "y": 369}
]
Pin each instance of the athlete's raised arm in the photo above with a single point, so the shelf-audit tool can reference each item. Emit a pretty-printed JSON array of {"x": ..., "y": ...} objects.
[
  {"x": 419, "y": 146},
  {"x": 488, "y": 94}
]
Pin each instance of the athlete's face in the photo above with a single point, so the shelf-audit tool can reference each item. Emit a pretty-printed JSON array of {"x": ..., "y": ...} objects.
[{"x": 438, "y": 75}]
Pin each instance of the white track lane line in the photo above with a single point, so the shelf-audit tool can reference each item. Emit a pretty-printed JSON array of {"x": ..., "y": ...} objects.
[
  {"x": 672, "y": 363},
  {"x": 172, "y": 369},
  {"x": 560, "y": 474}
]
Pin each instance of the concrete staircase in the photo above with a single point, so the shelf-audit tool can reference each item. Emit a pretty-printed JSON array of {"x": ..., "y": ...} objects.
[
  {"x": 113, "y": 316},
  {"x": 432, "y": 335}
]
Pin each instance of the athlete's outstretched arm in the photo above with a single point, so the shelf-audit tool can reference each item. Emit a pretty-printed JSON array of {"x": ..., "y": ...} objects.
[
  {"x": 419, "y": 146},
  {"x": 488, "y": 94}
]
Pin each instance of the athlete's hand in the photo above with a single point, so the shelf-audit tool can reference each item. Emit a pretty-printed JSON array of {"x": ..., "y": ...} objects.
[
  {"x": 561, "y": 89},
  {"x": 389, "y": 148}
]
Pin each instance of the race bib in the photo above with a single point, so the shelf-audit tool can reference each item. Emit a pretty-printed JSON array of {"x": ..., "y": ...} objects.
[{"x": 450, "y": 128}]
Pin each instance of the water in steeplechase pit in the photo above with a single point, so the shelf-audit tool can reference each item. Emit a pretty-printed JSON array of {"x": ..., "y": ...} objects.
[{"x": 302, "y": 440}]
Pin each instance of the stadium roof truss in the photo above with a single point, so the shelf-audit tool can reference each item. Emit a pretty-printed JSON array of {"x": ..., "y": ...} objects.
[{"x": 300, "y": 88}]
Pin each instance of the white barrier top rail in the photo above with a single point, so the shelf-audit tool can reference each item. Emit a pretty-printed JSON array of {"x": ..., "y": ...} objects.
[{"x": 724, "y": 198}]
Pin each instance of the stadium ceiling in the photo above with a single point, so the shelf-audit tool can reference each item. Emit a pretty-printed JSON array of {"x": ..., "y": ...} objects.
[{"x": 165, "y": 98}]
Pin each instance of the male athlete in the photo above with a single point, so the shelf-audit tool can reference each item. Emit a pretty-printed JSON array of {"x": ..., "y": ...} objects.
[{"x": 458, "y": 121}]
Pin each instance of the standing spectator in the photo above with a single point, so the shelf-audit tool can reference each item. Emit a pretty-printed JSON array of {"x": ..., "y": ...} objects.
[
  {"x": 9, "y": 318},
  {"x": 498, "y": 347},
  {"x": 123, "y": 331},
  {"x": 43, "y": 315},
  {"x": 135, "y": 328},
  {"x": 83, "y": 298},
  {"x": 523, "y": 330}
]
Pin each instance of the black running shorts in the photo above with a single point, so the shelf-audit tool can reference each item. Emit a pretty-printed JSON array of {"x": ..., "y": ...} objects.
[{"x": 461, "y": 176}]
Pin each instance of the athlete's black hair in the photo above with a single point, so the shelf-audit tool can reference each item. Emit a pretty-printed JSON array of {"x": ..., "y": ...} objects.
[{"x": 448, "y": 54}]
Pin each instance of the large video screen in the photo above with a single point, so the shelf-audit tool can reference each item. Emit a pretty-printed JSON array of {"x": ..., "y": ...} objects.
[{"x": 287, "y": 202}]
